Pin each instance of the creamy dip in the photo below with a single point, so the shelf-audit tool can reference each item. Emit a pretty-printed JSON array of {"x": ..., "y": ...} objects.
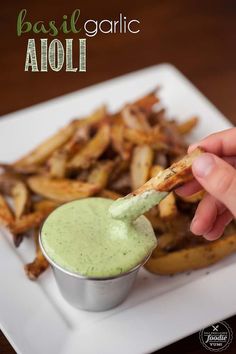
[{"x": 83, "y": 237}]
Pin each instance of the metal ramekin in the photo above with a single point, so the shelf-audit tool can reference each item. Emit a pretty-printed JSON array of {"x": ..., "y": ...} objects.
[{"x": 91, "y": 293}]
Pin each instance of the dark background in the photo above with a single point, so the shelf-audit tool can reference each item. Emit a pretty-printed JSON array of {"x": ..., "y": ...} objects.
[{"x": 198, "y": 37}]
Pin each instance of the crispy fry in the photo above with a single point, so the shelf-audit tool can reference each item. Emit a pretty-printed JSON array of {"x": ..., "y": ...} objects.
[
  {"x": 147, "y": 102},
  {"x": 167, "y": 207},
  {"x": 95, "y": 119},
  {"x": 27, "y": 222},
  {"x": 140, "y": 165},
  {"x": 45, "y": 149},
  {"x": 106, "y": 193},
  {"x": 61, "y": 190},
  {"x": 92, "y": 150},
  {"x": 100, "y": 173},
  {"x": 175, "y": 175},
  {"x": 192, "y": 258},
  {"x": 21, "y": 198},
  {"x": 118, "y": 143},
  {"x": 45, "y": 205},
  {"x": 155, "y": 169},
  {"x": 187, "y": 126},
  {"x": 135, "y": 118},
  {"x": 137, "y": 137},
  {"x": 6, "y": 217},
  {"x": 39, "y": 264}
]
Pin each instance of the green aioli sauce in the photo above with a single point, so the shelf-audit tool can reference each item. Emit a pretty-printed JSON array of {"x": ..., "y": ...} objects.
[{"x": 82, "y": 237}]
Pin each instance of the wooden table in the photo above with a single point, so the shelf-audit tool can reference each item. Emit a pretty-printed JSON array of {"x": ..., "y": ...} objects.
[{"x": 199, "y": 37}]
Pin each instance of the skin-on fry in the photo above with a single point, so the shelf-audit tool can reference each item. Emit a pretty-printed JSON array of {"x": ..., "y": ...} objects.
[
  {"x": 92, "y": 150},
  {"x": 6, "y": 216},
  {"x": 106, "y": 193},
  {"x": 61, "y": 190},
  {"x": 57, "y": 164},
  {"x": 187, "y": 126},
  {"x": 147, "y": 102},
  {"x": 175, "y": 175},
  {"x": 100, "y": 173},
  {"x": 192, "y": 258},
  {"x": 167, "y": 207},
  {"x": 45, "y": 205},
  {"x": 39, "y": 264},
  {"x": 194, "y": 198},
  {"x": 155, "y": 169},
  {"x": 21, "y": 198},
  {"x": 137, "y": 137},
  {"x": 11, "y": 185},
  {"x": 45, "y": 149},
  {"x": 140, "y": 165},
  {"x": 118, "y": 142},
  {"x": 27, "y": 222},
  {"x": 135, "y": 118}
]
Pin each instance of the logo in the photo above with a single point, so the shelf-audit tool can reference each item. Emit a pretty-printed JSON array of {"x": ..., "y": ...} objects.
[{"x": 217, "y": 337}]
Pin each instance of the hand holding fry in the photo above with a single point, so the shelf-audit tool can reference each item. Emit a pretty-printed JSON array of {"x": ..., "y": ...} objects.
[{"x": 215, "y": 172}]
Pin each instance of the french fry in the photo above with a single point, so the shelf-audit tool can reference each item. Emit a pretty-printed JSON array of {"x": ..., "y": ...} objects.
[
  {"x": 21, "y": 198},
  {"x": 118, "y": 142},
  {"x": 99, "y": 175},
  {"x": 137, "y": 137},
  {"x": 57, "y": 164},
  {"x": 27, "y": 222},
  {"x": 61, "y": 190},
  {"x": 45, "y": 149},
  {"x": 6, "y": 216},
  {"x": 155, "y": 169},
  {"x": 95, "y": 119},
  {"x": 45, "y": 205},
  {"x": 172, "y": 177},
  {"x": 187, "y": 126},
  {"x": 34, "y": 269},
  {"x": 167, "y": 207},
  {"x": 134, "y": 118},
  {"x": 148, "y": 101},
  {"x": 140, "y": 165},
  {"x": 106, "y": 193},
  {"x": 192, "y": 258},
  {"x": 92, "y": 150}
]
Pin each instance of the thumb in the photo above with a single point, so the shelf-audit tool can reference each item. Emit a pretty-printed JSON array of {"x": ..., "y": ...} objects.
[{"x": 218, "y": 178}]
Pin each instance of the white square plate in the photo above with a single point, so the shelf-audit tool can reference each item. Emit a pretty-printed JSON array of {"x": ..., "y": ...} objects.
[{"x": 160, "y": 310}]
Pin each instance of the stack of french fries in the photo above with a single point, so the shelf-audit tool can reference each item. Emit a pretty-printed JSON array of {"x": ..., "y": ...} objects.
[{"x": 109, "y": 155}]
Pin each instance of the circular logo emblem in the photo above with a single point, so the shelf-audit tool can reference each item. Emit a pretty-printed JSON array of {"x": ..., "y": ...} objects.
[{"x": 217, "y": 337}]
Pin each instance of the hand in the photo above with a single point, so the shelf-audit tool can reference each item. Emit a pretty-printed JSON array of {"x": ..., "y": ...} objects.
[{"x": 215, "y": 172}]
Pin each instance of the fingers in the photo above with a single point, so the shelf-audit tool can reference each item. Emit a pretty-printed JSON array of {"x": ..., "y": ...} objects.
[
  {"x": 188, "y": 189},
  {"x": 221, "y": 144},
  {"x": 218, "y": 178},
  {"x": 218, "y": 228},
  {"x": 206, "y": 214}
]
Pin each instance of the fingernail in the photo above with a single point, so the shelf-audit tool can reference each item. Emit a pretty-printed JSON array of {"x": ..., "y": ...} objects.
[{"x": 203, "y": 165}]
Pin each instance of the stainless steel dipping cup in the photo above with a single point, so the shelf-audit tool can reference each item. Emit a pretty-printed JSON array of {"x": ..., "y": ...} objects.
[{"x": 89, "y": 293}]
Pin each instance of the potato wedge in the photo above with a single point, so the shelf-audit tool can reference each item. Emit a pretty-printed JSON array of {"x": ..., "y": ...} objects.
[
  {"x": 100, "y": 173},
  {"x": 187, "y": 126},
  {"x": 45, "y": 149},
  {"x": 172, "y": 177},
  {"x": 6, "y": 216},
  {"x": 140, "y": 165},
  {"x": 192, "y": 258},
  {"x": 61, "y": 190},
  {"x": 39, "y": 264},
  {"x": 92, "y": 150}
]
